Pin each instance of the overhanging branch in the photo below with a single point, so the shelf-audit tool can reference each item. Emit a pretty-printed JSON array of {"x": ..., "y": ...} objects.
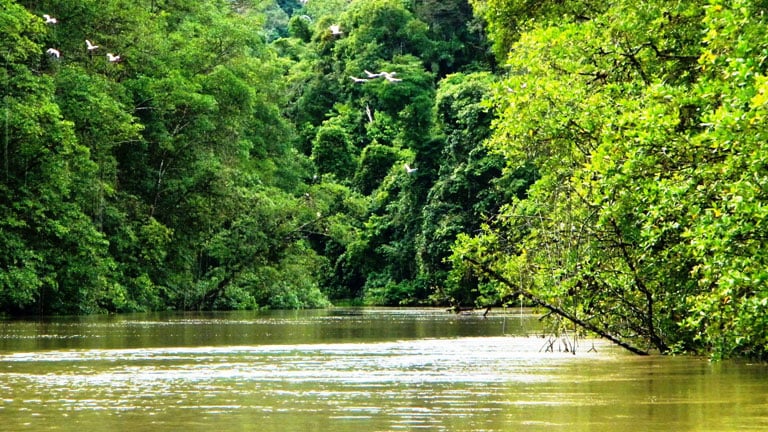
[{"x": 554, "y": 309}]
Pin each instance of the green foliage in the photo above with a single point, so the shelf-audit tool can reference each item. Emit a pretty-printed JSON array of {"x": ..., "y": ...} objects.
[
  {"x": 124, "y": 183},
  {"x": 54, "y": 258},
  {"x": 333, "y": 153},
  {"x": 646, "y": 219},
  {"x": 380, "y": 30},
  {"x": 469, "y": 189},
  {"x": 508, "y": 19},
  {"x": 457, "y": 37},
  {"x": 723, "y": 235},
  {"x": 299, "y": 27},
  {"x": 375, "y": 162},
  {"x": 582, "y": 114},
  {"x": 380, "y": 289}
]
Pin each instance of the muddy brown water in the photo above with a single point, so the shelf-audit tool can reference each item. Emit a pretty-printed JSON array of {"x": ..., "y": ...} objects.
[{"x": 349, "y": 369}]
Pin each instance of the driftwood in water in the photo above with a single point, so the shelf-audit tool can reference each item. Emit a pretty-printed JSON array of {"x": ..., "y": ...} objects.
[{"x": 556, "y": 310}]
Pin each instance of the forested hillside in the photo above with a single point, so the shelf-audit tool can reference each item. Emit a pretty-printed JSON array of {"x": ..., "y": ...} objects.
[{"x": 604, "y": 160}]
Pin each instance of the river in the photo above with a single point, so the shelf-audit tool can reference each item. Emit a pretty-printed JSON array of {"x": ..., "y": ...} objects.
[{"x": 359, "y": 370}]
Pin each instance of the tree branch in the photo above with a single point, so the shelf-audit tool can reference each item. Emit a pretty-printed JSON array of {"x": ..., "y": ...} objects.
[{"x": 554, "y": 309}]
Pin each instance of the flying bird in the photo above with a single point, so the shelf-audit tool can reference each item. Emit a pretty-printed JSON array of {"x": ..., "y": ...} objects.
[
  {"x": 409, "y": 170},
  {"x": 49, "y": 19},
  {"x": 90, "y": 45},
  {"x": 335, "y": 29},
  {"x": 390, "y": 76},
  {"x": 358, "y": 80},
  {"x": 113, "y": 58},
  {"x": 54, "y": 52}
]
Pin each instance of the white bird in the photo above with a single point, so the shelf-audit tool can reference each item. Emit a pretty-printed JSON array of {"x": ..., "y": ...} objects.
[
  {"x": 54, "y": 52},
  {"x": 409, "y": 170},
  {"x": 335, "y": 29},
  {"x": 358, "y": 80},
  {"x": 390, "y": 76},
  {"x": 49, "y": 19},
  {"x": 113, "y": 58},
  {"x": 90, "y": 45}
]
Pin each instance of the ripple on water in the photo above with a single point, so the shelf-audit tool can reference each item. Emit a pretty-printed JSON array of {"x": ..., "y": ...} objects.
[
  {"x": 433, "y": 379},
  {"x": 134, "y": 379}
]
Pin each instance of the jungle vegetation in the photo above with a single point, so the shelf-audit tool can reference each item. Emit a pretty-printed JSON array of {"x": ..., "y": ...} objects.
[{"x": 607, "y": 161}]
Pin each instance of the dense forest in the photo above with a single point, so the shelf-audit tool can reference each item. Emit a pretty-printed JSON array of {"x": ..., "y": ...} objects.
[{"x": 607, "y": 161}]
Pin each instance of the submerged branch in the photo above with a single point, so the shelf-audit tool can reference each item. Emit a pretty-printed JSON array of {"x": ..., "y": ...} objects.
[{"x": 556, "y": 310}]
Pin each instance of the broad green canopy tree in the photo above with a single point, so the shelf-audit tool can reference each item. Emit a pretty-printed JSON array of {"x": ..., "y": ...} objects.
[
  {"x": 53, "y": 257},
  {"x": 122, "y": 180},
  {"x": 644, "y": 122},
  {"x": 214, "y": 139},
  {"x": 725, "y": 237}
]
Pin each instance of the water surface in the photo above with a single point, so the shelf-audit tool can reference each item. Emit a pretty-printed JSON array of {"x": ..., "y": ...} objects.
[{"x": 354, "y": 370}]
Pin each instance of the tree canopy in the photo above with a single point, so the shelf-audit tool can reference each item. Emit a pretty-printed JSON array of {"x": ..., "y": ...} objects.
[{"x": 643, "y": 122}]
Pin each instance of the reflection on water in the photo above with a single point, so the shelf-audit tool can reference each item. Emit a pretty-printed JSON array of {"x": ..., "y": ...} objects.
[
  {"x": 250, "y": 328},
  {"x": 353, "y": 370}
]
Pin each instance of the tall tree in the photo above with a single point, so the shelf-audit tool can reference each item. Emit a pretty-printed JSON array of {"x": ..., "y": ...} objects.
[
  {"x": 469, "y": 188},
  {"x": 595, "y": 103},
  {"x": 54, "y": 259}
]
